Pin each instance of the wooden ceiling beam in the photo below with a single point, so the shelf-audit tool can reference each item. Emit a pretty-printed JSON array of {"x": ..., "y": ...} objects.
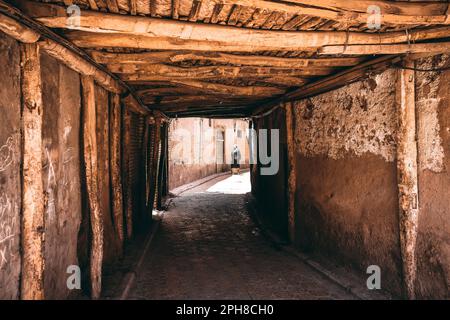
[
  {"x": 216, "y": 88},
  {"x": 219, "y": 57},
  {"x": 208, "y": 72},
  {"x": 85, "y": 39},
  {"x": 188, "y": 99},
  {"x": 426, "y": 8},
  {"x": 115, "y": 30},
  {"x": 436, "y": 48},
  {"x": 17, "y": 30}
]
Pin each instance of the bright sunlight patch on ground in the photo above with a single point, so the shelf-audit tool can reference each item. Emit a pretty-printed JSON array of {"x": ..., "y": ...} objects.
[{"x": 235, "y": 184}]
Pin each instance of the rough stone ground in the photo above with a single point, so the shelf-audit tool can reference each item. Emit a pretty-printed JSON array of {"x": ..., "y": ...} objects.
[{"x": 207, "y": 247}]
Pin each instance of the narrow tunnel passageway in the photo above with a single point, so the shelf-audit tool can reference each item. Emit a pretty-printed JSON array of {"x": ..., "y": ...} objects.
[
  {"x": 208, "y": 247},
  {"x": 339, "y": 110}
]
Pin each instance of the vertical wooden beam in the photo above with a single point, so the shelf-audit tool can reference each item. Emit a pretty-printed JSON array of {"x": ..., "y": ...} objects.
[
  {"x": 166, "y": 163},
  {"x": 155, "y": 160},
  {"x": 290, "y": 132},
  {"x": 116, "y": 178},
  {"x": 32, "y": 284},
  {"x": 126, "y": 166},
  {"x": 407, "y": 176},
  {"x": 161, "y": 168},
  {"x": 145, "y": 167},
  {"x": 91, "y": 168}
]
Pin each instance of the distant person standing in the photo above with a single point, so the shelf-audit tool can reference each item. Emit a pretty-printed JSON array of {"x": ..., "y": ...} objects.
[{"x": 236, "y": 159}]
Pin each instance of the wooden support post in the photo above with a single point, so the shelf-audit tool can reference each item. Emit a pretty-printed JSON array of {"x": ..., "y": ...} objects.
[
  {"x": 161, "y": 168},
  {"x": 32, "y": 284},
  {"x": 155, "y": 158},
  {"x": 290, "y": 130},
  {"x": 407, "y": 176},
  {"x": 116, "y": 178},
  {"x": 146, "y": 181},
  {"x": 126, "y": 166},
  {"x": 91, "y": 168}
]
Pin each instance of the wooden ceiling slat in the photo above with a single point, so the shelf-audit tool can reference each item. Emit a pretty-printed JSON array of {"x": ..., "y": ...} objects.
[
  {"x": 112, "y": 6},
  {"x": 175, "y": 9},
  {"x": 93, "y": 4},
  {"x": 234, "y": 16},
  {"x": 216, "y": 12},
  {"x": 195, "y": 9}
]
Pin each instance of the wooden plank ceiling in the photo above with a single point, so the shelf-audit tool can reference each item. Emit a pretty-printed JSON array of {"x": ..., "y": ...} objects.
[{"x": 225, "y": 57}]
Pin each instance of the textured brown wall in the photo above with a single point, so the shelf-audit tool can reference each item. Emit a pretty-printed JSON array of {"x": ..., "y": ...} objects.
[
  {"x": 433, "y": 243},
  {"x": 347, "y": 203},
  {"x": 347, "y": 195},
  {"x": 10, "y": 162},
  {"x": 61, "y": 172},
  {"x": 347, "y": 211}
]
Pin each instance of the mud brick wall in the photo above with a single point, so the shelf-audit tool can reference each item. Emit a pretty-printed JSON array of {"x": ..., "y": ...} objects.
[
  {"x": 346, "y": 177},
  {"x": 10, "y": 163},
  {"x": 433, "y": 243},
  {"x": 347, "y": 197}
]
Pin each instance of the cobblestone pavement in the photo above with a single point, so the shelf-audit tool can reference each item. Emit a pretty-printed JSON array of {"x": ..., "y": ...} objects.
[{"x": 207, "y": 247}]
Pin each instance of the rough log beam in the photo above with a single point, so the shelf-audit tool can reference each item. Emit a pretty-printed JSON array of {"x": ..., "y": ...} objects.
[
  {"x": 32, "y": 282},
  {"x": 427, "y": 8},
  {"x": 219, "y": 57},
  {"x": 91, "y": 169},
  {"x": 14, "y": 23},
  {"x": 116, "y": 164},
  {"x": 290, "y": 41},
  {"x": 414, "y": 16},
  {"x": 285, "y": 81},
  {"x": 217, "y": 113},
  {"x": 153, "y": 33},
  {"x": 147, "y": 70},
  {"x": 191, "y": 86},
  {"x": 176, "y": 109},
  {"x": 80, "y": 65},
  {"x": 436, "y": 48},
  {"x": 130, "y": 102},
  {"x": 18, "y": 31},
  {"x": 407, "y": 176},
  {"x": 195, "y": 100}
]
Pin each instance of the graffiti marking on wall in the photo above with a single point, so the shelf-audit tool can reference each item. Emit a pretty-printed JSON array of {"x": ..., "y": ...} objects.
[
  {"x": 7, "y": 156},
  {"x": 7, "y": 226}
]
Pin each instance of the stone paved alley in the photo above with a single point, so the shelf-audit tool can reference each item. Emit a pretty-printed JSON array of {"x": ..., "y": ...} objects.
[{"x": 207, "y": 247}]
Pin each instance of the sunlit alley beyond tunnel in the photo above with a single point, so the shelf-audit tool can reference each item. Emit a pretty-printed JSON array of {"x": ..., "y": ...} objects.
[{"x": 226, "y": 149}]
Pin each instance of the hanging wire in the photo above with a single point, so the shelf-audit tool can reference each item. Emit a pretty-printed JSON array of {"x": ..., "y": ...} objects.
[{"x": 400, "y": 66}]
